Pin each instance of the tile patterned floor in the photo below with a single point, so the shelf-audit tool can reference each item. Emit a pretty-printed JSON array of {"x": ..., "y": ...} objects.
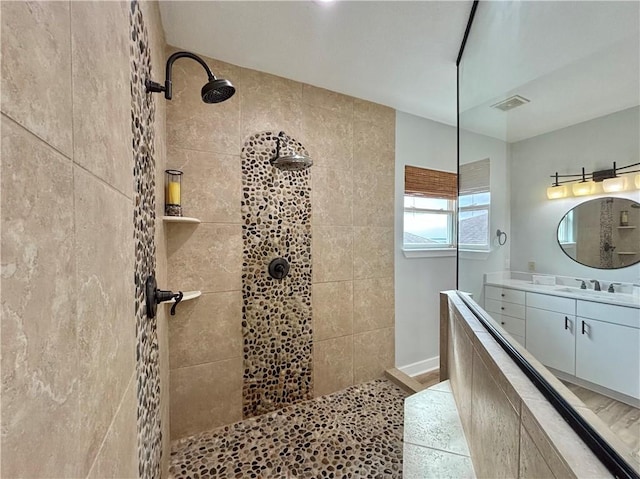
[{"x": 355, "y": 433}]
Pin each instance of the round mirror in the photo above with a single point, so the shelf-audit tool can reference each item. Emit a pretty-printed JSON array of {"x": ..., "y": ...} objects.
[{"x": 602, "y": 233}]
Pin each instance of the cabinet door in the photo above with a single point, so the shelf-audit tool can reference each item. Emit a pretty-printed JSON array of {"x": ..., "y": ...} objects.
[
  {"x": 550, "y": 337},
  {"x": 609, "y": 355}
]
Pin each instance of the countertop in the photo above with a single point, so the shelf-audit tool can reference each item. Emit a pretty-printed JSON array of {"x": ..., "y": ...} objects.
[{"x": 618, "y": 299}]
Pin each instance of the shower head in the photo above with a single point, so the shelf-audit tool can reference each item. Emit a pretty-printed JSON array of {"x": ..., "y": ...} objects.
[
  {"x": 292, "y": 161},
  {"x": 216, "y": 90}
]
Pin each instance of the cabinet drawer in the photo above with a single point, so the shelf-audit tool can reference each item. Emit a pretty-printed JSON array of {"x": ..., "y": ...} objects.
[
  {"x": 609, "y": 313},
  {"x": 551, "y": 303},
  {"x": 508, "y": 309},
  {"x": 503, "y": 294},
  {"x": 514, "y": 326}
]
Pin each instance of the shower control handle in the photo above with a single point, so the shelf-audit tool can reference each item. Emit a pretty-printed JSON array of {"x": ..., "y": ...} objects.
[
  {"x": 279, "y": 268},
  {"x": 155, "y": 296}
]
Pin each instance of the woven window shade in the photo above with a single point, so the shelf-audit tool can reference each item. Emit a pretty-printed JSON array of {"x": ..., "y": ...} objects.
[
  {"x": 474, "y": 177},
  {"x": 430, "y": 183}
]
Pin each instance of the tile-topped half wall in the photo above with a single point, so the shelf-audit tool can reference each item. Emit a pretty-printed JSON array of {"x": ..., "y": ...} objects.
[
  {"x": 511, "y": 428},
  {"x": 69, "y": 382},
  {"x": 352, "y": 143}
]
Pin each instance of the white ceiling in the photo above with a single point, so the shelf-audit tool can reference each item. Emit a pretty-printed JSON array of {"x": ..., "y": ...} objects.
[
  {"x": 399, "y": 54},
  {"x": 574, "y": 60}
]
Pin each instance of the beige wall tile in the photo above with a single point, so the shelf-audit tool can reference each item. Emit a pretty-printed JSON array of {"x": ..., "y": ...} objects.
[
  {"x": 269, "y": 102},
  {"x": 39, "y": 342},
  {"x": 332, "y": 310},
  {"x": 196, "y": 125},
  {"x": 117, "y": 456},
  {"x": 332, "y": 365},
  {"x": 211, "y": 184},
  {"x": 327, "y": 99},
  {"x": 329, "y": 137},
  {"x": 373, "y": 304},
  {"x": 373, "y": 199},
  {"x": 206, "y": 257},
  {"x": 331, "y": 194},
  {"x": 206, "y": 329},
  {"x": 35, "y": 35},
  {"x": 106, "y": 330},
  {"x": 205, "y": 396},
  {"x": 364, "y": 110},
  {"x": 101, "y": 112},
  {"x": 373, "y": 148},
  {"x": 561, "y": 447},
  {"x": 373, "y": 252},
  {"x": 532, "y": 463},
  {"x": 495, "y": 428},
  {"x": 332, "y": 248},
  {"x": 461, "y": 357},
  {"x": 373, "y": 354}
]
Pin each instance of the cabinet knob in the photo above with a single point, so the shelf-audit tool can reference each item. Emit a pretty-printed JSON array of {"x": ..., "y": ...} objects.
[
  {"x": 502, "y": 308},
  {"x": 501, "y": 322},
  {"x": 502, "y": 295}
]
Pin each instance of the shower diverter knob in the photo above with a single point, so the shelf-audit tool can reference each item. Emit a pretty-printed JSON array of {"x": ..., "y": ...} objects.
[
  {"x": 155, "y": 296},
  {"x": 278, "y": 268}
]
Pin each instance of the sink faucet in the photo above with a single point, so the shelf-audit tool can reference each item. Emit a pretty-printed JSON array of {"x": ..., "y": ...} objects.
[
  {"x": 583, "y": 285},
  {"x": 596, "y": 285},
  {"x": 611, "y": 288}
]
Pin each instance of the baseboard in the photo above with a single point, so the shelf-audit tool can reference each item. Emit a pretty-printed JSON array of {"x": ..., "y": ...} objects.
[{"x": 421, "y": 367}]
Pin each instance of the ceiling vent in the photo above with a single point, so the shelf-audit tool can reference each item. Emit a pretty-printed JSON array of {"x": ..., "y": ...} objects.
[{"x": 510, "y": 103}]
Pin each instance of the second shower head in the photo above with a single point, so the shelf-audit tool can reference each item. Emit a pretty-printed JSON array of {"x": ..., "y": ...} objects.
[
  {"x": 216, "y": 90},
  {"x": 291, "y": 161}
]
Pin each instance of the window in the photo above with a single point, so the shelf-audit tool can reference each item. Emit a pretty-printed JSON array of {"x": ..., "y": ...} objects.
[
  {"x": 428, "y": 223},
  {"x": 474, "y": 206},
  {"x": 566, "y": 230},
  {"x": 429, "y": 209}
]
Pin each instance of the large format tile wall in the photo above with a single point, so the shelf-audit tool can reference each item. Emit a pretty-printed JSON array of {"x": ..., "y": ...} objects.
[
  {"x": 352, "y": 143},
  {"x": 511, "y": 429},
  {"x": 68, "y": 326}
]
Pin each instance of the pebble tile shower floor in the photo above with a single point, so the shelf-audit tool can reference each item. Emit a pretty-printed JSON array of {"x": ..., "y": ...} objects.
[{"x": 354, "y": 433}]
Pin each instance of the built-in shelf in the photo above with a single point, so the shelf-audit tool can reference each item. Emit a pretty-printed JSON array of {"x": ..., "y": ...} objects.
[
  {"x": 626, "y": 227},
  {"x": 627, "y": 252},
  {"x": 187, "y": 295},
  {"x": 180, "y": 219}
]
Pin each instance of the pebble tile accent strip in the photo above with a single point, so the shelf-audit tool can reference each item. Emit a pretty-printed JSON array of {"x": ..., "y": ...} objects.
[
  {"x": 276, "y": 314},
  {"x": 354, "y": 433},
  {"x": 144, "y": 174}
]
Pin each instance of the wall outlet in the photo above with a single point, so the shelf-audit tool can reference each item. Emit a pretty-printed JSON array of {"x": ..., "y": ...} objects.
[{"x": 532, "y": 266}]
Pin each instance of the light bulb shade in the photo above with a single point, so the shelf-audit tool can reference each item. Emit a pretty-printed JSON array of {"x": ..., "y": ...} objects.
[
  {"x": 557, "y": 192},
  {"x": 637, "y": 181},
  {"x": 613, "y": 185},
  {"x": 583, "y": 188}
]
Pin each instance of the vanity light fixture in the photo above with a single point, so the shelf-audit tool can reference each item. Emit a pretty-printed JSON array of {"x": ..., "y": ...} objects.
[
  {"x": 613, "y": 185},
  {"x": 581, "y": 186},
  {"x": 556, "y": 191},
  {"x": 584, "y": 187}
]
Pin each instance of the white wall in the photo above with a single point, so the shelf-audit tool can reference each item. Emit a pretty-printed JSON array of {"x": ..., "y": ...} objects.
[
  {"x": 594, "y": 144},
  {"x": 473, "y": 265},
  {"x": 418, "y": 281}
]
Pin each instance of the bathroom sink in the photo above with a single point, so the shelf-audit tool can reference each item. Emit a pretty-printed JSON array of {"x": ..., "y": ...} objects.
[{"x": 586, "y": 292}]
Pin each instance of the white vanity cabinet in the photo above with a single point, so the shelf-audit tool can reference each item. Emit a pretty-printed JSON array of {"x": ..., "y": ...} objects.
[
  {"x": 593, "y": 343},
  {"x": 607, "y": 352},
  {"x": 551, "y": 339},
  {"x": 507, "y": 307}
]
